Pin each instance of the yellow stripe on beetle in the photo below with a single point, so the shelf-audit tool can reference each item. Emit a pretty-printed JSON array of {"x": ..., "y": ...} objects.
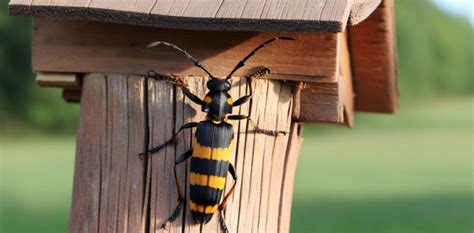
[
  {"x": 207, "y": 99},
  {"x": 230, "y": 101},
  {"x": 203, "y": 209},
  {"x": 205, "y": 152},
  {"x": 215, "y": 182}
]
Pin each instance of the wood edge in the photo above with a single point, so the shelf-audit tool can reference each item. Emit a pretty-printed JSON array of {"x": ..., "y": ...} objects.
[
  {"x": 347, "y": 86},
  {"x": 342, "y": 91},
  {"x": 292, "y": 156},
  {"x": 391, "y": 106},
  {"x": 361, "y": 10},
  {"x": 61, "y": 80},
  {"x": 178, "y": 22}
]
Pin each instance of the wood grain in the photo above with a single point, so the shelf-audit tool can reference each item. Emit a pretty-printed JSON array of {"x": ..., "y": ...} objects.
[
  {"x": 322, "y": 102},
  {"x": 116, "y": 191},
  {"x": 328, "y": 102},
  {"x": 347, "y": 81},
  {"x": 108, "y": 180},
  {"x": 79, "y": 46},
  {"x": 227, "y": 15},
  {"x": 374, "y": 61},
  {"x": 362, "y": 9}
]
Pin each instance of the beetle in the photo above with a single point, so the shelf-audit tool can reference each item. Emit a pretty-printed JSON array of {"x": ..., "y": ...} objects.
[{"x": 213, "y": 139}]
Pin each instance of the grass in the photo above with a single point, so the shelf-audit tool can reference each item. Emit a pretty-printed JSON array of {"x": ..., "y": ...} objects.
[{"x": 409, "y": 173}]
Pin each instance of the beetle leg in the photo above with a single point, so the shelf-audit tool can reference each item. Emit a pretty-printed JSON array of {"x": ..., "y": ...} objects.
[
  {"x": 223, "y": 204},
  {"x": 179, "y": 207},
  {"x": 176, "y": 81},
  {"x": 250, "y": 78},
  {"x": 259, "y": 130},
  {"x": 192, "y": 96},
  {"x": 169, "y": 141}
]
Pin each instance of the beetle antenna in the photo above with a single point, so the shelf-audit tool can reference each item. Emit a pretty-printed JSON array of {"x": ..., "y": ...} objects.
[
  {"x": 242, "y": 62},
  {"x": 196, "y": 62}
]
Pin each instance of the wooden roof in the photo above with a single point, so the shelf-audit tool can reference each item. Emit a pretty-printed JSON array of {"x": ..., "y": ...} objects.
[{"x": 238, "y": 15}]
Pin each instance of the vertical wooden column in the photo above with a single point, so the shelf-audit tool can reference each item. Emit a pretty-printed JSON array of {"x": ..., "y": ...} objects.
[{"x": 115, "y": 191}]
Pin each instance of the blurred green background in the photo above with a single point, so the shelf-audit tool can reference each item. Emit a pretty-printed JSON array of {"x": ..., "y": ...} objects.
[{"x": 407, "y": 173}]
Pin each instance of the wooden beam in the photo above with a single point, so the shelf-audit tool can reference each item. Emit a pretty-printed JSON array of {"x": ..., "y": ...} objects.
[
  {"x": 88, "y": 47},
  {"x": 374, "y": 61},
  {"x": 283, "y": 15},
  {"x": 321, "y": 103},
  {"x": 116, "y": 191},
  {"x": 328, "y": 102},
  {"x": 62, "y": 80}
]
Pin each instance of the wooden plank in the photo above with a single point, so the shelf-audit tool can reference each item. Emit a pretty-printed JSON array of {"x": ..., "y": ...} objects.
[
  {"x": 63, "y": 80},
  {"x": 77, "y": 46},
  {"x": 273, "y": 180},
  {"x": 203, "y": 8},
  {"x": 374, "y": 61},
  {"x": 362, "y": 9},
  {"x": 251, "y": 15},
  {"x": 108, "y": 180},
  {"x": 116, "y": 191},
  {"x": 286, "y": 193},
  {"x": 321, "y": 102},
  {"x": 336, "y": 9},
  {"x": 138, "y": 6},
  {"x": 347, "y": 87},
  {"x": 234, "y": 9},
  {"x": 86, "y": 199},
  {"x": 328, "y": 102},
  {"x": 232, "y": 217}
]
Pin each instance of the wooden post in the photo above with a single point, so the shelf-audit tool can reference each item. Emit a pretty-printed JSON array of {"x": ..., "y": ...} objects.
[{"x": 121, "y": 115}]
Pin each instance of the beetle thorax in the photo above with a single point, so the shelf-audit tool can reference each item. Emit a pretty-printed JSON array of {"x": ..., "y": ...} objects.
[{"x": 217, "y": 104}]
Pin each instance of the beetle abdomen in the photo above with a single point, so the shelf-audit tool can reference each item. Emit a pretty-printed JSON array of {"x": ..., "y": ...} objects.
[{"x": 209, "y": 165}]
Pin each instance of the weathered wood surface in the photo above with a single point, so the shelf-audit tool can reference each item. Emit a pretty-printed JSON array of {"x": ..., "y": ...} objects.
[
  {"x": 84, "y": 47},
  {"x": 345, "y": 70},
  {"x": 374, "y": 61},
  {"x": 328, "y": 102},
  {"x": 114, "y": 191},
  {"x": 361, "y": 9},
  {"x": 229, "y": 15}
]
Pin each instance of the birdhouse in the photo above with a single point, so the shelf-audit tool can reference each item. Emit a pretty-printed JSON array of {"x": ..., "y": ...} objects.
[{"x": 134, "y": 98}]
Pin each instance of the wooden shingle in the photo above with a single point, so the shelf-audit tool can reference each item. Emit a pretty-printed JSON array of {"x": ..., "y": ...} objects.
[{"x": 251, "y": 15}]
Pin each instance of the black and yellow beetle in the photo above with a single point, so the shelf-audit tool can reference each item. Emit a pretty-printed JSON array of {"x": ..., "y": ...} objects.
[{"x": 212, "y": 144}]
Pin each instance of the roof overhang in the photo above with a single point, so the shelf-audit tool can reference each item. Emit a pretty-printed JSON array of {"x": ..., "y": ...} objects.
[{"x": 289, "y": 15}]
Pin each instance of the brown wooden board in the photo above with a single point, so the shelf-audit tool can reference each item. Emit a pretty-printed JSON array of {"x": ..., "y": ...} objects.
[
  {"x": 328, "y": 102},
  {"x": 253, "y": 15},
  {"x": 108, "y": 177},
  {"x": 321, "y": 102},
  {"x": 81, "y": 46},
  {"x": 116, "y": 191},
  {"x": 374, "y": 61}
]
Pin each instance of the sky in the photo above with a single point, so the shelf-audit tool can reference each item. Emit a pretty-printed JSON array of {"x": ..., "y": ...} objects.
[{"x": 461, "y": 7}]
